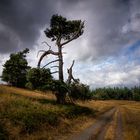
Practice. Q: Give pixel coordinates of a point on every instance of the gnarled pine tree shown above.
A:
(62, 31)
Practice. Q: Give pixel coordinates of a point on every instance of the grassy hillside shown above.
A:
(131, 120)
(35, 115)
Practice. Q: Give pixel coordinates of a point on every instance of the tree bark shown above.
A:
(60, 99)
(61, 78)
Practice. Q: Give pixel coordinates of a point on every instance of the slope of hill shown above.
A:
(35, 115)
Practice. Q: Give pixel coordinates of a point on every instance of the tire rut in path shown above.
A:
(98, 129)
(119, 129)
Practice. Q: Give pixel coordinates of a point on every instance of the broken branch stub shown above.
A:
(70, 75)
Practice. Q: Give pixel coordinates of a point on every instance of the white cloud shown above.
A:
(110, 27)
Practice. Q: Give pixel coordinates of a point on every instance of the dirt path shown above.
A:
(98, 129)
(119, 129)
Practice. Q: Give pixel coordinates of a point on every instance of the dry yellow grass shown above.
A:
(131, 121)
(24, 92)
(100, 106)
(130, 111)
(17, 99)
(14, 105)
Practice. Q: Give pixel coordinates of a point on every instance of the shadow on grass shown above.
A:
(67, 110)
(47, 101)
(3, 133)
(30, 117)
(70, 110)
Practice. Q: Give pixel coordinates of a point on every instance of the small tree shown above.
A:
(62, 31)
(79, 91)
(15, 69)
(38, 78)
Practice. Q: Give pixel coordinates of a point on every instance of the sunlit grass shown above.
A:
(28, 93)
(131, 120)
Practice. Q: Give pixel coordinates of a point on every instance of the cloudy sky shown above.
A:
(107, 54)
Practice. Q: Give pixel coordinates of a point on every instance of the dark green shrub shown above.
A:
(80, 91)
(15, 69)
(38, 78)
(60, 89)
(29, 85)
(72, 111)
(57, 85)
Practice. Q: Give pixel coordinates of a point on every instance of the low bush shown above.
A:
(80, 91)
(37, 78)
(72, 111)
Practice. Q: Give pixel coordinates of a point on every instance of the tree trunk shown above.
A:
(61, 78)
(60, 97)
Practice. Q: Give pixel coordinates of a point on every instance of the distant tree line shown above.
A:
(116, 93)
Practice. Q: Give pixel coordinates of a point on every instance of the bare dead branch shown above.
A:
(72, 64)
(54, 72)
(40, 52)
(51, 62)
(54, 67)
(44, 42)
(45, 54)
(70, 75)
(75, 80)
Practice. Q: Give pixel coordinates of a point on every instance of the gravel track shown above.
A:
(98, 129)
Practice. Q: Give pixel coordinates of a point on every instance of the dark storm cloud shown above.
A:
(111, 26)
(106, 30)
(107, 37)
(21, 21)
